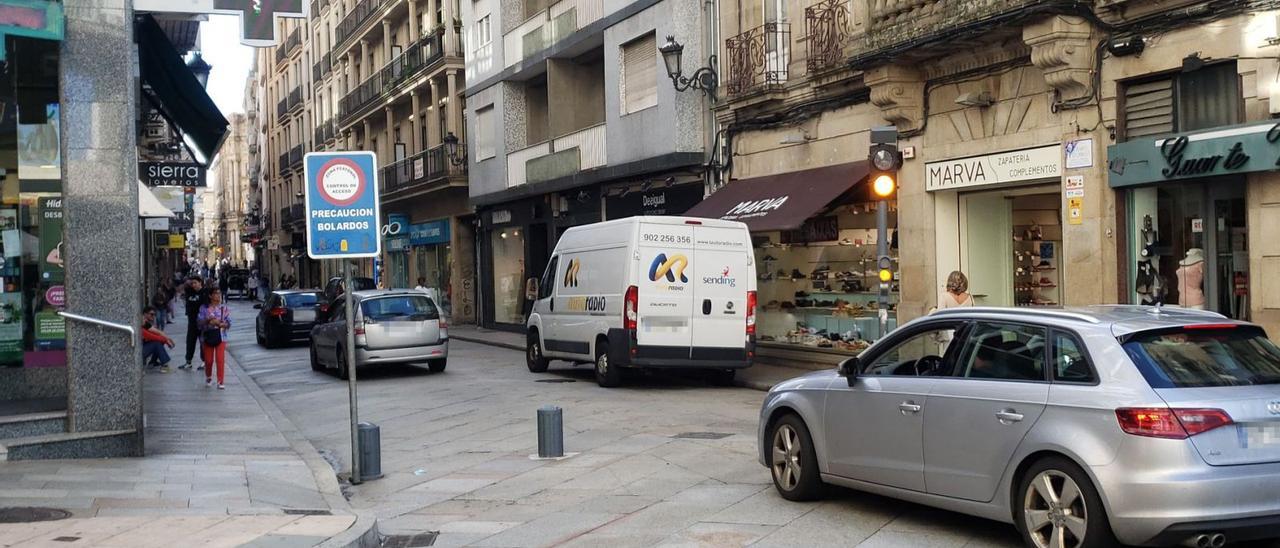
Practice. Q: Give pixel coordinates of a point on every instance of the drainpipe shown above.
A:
(711, 127)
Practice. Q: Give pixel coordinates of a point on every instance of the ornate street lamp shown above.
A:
(451, 150)
(200, 69)
(705, 78)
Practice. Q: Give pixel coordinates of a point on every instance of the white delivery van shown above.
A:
(647, 292)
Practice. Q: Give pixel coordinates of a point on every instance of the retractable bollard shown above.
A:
(370, 451)
(550, 432)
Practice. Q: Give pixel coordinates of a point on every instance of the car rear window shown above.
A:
(1192, 358)
(363, 284)
(400, 307)
(300, 300)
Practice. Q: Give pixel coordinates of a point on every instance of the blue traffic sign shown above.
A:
(342, 205)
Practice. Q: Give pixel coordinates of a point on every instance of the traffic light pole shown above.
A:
(882, 250)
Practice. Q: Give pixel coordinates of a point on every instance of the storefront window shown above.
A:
(1012, 246)
(1190, 246)
(819, 286)
(508, 275)
(432, 264)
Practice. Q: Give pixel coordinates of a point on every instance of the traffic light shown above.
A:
(885, 159)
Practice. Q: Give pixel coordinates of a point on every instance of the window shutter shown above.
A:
(484, 133)
(640, 74)
(1148, 109)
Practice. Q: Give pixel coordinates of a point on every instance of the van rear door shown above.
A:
(665, 288)
(723, 273)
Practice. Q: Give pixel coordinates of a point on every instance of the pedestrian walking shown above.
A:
(214, 320)
(957, 291)
(252, 285)
(160, 307)
(154, 342)
(193, 297)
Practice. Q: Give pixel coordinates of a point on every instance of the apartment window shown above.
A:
(639, 74)
(485, 146)
(1185, 101)
(484, 34)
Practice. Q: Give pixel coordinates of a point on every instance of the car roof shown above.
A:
(1119, 320)
(371, 293)
(293, 291)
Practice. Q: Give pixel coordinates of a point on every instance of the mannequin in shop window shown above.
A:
(1149, 284)
(1191, 279)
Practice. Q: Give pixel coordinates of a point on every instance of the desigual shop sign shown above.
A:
(995, 169)
(1220, 151)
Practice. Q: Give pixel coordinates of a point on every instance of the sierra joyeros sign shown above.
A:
(171, 174)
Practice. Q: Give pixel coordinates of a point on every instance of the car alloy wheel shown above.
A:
(786, 457)
(1054, 511)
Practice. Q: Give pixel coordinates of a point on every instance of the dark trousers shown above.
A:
(193, 337)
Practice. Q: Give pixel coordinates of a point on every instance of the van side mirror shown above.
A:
(849, 369)
(531, 289)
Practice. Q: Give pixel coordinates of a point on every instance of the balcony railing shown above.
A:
(286, 216)
(284, 164)
(826, 32)
(330, 130)
(281, 108)
(295, 98)
(294, 41)
(421, 54)
(356, 18)
(586, 149)
(758, 58)
(317, 135)
(281, 53)
(297, 213)
(295, 156)
(424, 167)
(547, 27)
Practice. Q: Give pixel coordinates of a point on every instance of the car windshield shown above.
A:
(300, 300)
(400, 307)
(1191, 358)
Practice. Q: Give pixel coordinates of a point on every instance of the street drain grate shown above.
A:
(701, 436)
(556, 380)
(306, 512)
(410, 541)
(24, 514)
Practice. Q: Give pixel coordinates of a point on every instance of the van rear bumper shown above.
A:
(625, 352)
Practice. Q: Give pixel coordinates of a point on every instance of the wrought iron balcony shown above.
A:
(758, 58)
(297, 214)
(294, 41)
(417, 57)
(826, 32)
(295, 156)
(295, 98)
(425, 167)
(356, 18)
(285, 216)
(330, 130)
(284, 164)
(281, 108)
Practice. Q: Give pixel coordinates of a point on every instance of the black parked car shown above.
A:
(286, 316)
(333, 291)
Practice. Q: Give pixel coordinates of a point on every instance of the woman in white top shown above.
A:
(957, 292)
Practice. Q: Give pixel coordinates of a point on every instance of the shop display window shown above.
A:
(1011, 249)
(1190, 246)
(508, 275)
(819, 286)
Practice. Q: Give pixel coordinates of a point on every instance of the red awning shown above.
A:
(783, 201)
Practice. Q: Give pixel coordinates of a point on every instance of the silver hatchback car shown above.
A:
(391, 326)
(1081, 427)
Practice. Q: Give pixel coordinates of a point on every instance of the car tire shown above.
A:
(261, 341)
(315, 360)
(607, 374)
(1039, 520)
(437, 366)
(533, 353)
(796, 478)
(723, 377)
(343, 372)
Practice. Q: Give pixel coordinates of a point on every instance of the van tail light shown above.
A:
(1175, 424)
(444, 324)
(631, 309)
(751, 312)
(277, 312)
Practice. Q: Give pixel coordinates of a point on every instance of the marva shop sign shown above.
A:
(1221, 151)
(995, 169)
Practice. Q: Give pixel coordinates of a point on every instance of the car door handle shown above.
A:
(1008, 416)
(909, 407)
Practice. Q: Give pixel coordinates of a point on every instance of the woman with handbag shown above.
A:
(214, 321)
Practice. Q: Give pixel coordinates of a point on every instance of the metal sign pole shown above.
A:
(351, 372)
(882, 250)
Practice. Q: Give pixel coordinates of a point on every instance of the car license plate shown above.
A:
(304, 315)
(1259, 435)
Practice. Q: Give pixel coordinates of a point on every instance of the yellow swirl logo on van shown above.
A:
(671, 268)
(571, 273)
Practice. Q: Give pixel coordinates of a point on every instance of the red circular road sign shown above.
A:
(341, 182)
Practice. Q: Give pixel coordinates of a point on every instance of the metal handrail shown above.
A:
(104, 323)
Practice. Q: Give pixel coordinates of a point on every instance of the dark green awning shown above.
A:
(177, 94)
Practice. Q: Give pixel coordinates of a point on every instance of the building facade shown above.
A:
(229, 178)
(572, 120)
(383, 76)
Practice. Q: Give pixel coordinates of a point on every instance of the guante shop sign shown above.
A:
(1228, 150)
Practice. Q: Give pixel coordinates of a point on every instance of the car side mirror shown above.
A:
(849, 369)
(257, 307)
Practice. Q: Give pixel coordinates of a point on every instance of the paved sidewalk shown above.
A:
(223, 468)
(760, 376)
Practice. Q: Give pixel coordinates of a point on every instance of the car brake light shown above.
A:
(1210, 326)
(324, 308)
(1162, 422)
(631, 308)
(751, 312)
(443, 323)
(277, 312)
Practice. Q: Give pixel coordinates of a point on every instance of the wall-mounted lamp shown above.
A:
(705, 78)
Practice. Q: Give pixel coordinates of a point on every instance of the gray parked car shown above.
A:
(391, 326)
(1080, 427)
